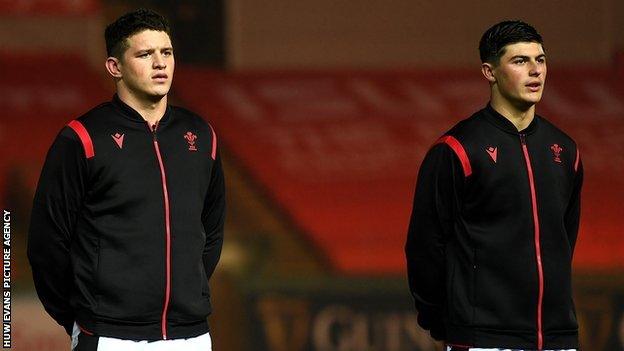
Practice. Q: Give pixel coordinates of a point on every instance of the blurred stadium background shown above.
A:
(324, 110)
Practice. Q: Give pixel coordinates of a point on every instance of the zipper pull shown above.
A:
(523, 138)
(152, 128)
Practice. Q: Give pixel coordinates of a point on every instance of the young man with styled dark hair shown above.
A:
(127, 220)
(496, 214)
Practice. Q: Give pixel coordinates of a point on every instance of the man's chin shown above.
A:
(525, 104)
(534, 98)
(156, 96)
(529, 101)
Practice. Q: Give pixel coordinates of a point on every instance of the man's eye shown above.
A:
(167, 53)
(144, 55)
(521, 61)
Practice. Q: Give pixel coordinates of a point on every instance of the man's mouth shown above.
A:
(534, 86)
(160, 77)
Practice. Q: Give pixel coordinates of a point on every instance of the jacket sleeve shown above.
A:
(573, 211)
(58, 200)
(213, 217)
(440, 178)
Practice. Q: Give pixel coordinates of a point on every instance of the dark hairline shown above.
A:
(501, 51)
(497, 37)
(124, 46)
(117, 33)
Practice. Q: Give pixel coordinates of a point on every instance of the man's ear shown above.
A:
(488, 72)
(113, 67)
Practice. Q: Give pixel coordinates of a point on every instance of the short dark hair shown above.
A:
(129, 24)
(494, 40)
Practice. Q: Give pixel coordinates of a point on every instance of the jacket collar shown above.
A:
(132, 114)
(498, 120)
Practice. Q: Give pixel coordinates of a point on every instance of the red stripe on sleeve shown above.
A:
(457, 147)
(87, 144)
(214, 143)
(578, 158)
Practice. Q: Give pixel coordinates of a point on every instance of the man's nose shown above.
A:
(536, 69)
(159, 61)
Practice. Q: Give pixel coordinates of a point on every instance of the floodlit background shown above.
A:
(324, 110)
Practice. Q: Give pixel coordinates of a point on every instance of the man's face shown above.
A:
(147, 65)
(521, 73)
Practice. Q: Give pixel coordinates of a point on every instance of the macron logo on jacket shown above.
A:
(492, 151)
(118, 138)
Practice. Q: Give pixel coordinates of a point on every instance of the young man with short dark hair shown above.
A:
(127, 220)
(496, 214)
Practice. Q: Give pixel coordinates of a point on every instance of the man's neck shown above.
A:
(151, 111)
(520, 117)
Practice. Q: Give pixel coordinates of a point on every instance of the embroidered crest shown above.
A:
(556, 149)
(190, 139)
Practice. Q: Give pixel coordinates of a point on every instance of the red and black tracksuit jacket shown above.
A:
(127, 224)
(492, 232)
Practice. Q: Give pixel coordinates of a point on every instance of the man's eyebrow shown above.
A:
(143, 50)
(526, 57)
(149, 50)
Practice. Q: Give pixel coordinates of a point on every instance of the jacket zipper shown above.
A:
(167, 232)
(538, 250)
